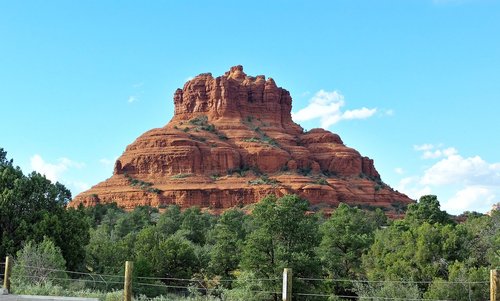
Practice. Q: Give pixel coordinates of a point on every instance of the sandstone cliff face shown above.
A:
(231, 142)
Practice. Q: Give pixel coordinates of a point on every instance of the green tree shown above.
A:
(414, 252)
(227, 239)
(170, 220)
(463, 284)
(32, 207)
(195, 225)
(178, 257)
(106, 252)
(136, 220)
(39, 263)
(346, 236)
(428, 210)
(283, 236)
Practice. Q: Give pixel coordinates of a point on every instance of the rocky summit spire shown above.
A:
(231, 142)
(234, 96)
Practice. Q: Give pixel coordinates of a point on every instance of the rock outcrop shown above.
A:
(231, 142)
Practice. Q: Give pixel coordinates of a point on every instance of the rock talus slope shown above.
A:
(230, 143)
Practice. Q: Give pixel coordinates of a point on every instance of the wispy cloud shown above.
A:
(132, 98)
(57, 172)
(423, 147)
(53, 171)
(327, 107)
(473, 182)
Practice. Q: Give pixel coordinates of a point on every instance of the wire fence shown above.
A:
(306, 288)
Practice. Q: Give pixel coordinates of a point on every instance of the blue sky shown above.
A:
(413, 84)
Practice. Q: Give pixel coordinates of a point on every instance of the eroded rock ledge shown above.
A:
(231, 142)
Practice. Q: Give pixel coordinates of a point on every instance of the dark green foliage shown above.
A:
(241, 172)
(305, 171)
(181, 176)
(32, 207)
(426, 248)
(39, 262)
(347, 235)
(222, 136)
(194, 224)
(321, 181)
(227, 238)
(251, 139)
(143, 185)
(264, 180)
(200, 120)
(427, 210)
(282, 235)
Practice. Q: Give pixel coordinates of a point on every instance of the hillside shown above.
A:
(231, 142)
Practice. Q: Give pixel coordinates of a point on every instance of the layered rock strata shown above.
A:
(231, 142)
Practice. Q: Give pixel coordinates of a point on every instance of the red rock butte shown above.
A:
(231, 142)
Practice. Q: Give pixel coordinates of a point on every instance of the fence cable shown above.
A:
(215, 280)
(68, 279)
(70, 272)
(358, 297)
(392, 281)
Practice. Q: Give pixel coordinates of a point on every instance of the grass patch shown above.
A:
(321, 181)
(200, 120)
(264, 180)
(240, 172)
(181, 176)
(252, 139)
(143, 185)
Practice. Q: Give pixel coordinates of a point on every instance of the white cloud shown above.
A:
(423, 147)
(429, 154)
(399, 170)
(138, 85)
(132, 99)
(473, 183)
(326, 106)
(410, 186)
(480, 198)
(455, 169)
(50, 170)
(56, 172)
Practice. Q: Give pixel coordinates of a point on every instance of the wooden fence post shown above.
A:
(6, 276)
(287, 285)
(494, 285)
(127, 290)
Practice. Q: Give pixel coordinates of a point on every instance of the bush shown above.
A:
(321, 181)
(200, 120)
(38, 263)
(264, 180)
(181, 176)
(387, 290)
